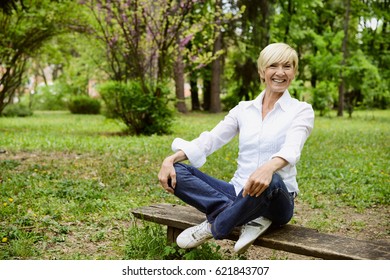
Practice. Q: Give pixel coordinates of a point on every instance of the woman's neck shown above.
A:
(269, 100)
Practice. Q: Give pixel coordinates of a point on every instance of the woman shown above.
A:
(272, 130)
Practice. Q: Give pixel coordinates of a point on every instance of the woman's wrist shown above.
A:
(176, 157)
(276, 164)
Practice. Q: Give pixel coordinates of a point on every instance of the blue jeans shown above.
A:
(223, 208)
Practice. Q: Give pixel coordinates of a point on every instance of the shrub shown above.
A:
(229, 101)
(51, 97)
(142, 111)
(17, 110)
(84, 105)
(323, 97)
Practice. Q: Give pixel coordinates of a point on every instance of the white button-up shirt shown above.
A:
(282, 133)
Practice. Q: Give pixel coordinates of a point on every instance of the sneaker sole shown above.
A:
(243, 249)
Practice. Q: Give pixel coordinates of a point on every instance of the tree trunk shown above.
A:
(206, 92)
(340, 111)
(178, 73)
(287, 28)
(194, 92)
(265, 23)
(216, 72)
(179, 85)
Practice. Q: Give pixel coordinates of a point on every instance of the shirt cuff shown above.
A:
(194, 154)
(291, 158)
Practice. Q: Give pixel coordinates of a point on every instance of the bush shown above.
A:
(323, 97)
(229, 101)
(17, 110)
(51, 97)
(140, 108)
(84, 105)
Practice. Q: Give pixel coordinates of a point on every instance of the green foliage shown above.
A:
(51, 97)
(17, 110)
(22, 33)
(323, 97)
(84, 105)
(64, 60)
(139, 106)
(365, 80)
(230, 100)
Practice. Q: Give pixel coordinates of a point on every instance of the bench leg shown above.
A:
(172, 234)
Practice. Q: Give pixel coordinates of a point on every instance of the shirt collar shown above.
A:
(283, 101)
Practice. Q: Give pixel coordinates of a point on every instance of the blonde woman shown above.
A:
(272, 130)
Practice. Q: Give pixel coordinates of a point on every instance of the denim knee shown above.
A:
(180, 168)
(276, 186)
(277, 180)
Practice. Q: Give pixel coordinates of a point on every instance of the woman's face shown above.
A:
(278, 76)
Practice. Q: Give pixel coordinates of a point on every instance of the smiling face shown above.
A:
(278, 77)
(277, 65)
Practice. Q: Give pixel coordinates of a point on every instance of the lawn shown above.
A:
(68, 183)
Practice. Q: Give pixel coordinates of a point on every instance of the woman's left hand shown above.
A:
(259, 180)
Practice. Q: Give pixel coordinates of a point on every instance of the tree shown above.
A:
(375, 44)
(216, 65)
(244, 38)
(249, 34)
(343, 61)
(140, 38)
(337, 44)
(179, 79)
(144, 43)
(8, 5)
(23, 31)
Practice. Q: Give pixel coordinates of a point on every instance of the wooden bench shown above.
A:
(289, 238)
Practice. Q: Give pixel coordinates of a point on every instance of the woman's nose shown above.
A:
(279, 70)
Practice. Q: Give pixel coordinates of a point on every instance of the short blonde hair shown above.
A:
(276, 53)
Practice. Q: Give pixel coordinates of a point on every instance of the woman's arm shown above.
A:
(288, 154)
(208, 142)
(197, 150)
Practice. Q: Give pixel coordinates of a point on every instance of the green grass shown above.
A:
(346, 160)
(68, 182)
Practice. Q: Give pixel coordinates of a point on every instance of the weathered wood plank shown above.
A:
(288, 238)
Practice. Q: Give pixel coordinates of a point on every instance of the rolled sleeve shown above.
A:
(195, 155)
(208, 142)
(296, 136)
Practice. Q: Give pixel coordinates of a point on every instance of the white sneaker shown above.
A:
(194, 236)
(249, 233)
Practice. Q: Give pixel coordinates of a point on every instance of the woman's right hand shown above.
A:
(167, 175)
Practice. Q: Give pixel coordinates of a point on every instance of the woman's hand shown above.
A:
(167, 174)
(259, 180)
